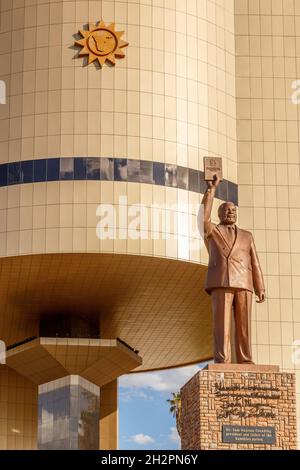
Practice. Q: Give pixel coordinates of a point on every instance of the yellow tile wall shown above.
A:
(18, 411)
(267, 64)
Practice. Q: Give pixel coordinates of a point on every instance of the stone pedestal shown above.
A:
(236, 406)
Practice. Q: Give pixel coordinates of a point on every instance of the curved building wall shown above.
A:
(197, 75)
(170, 101)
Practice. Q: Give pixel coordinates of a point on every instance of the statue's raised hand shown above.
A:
(214, 183)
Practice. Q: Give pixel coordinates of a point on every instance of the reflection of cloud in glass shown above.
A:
(120, 169)
(106, 169)
(146, 174)
(93, 168)
(68, 415)
(171, 175)
(66, 168)
(133, 170)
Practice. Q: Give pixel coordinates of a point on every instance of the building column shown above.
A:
(18, 411)
(68, 414)
(109, 416)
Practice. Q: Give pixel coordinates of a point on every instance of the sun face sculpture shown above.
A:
(101, 42)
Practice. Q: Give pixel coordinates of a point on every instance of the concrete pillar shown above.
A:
(109, 416)
(18, 411)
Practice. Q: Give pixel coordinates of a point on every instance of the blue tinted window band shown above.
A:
(111, 169)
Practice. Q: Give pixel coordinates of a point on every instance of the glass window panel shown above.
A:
(182, 177)
(39, 170)
(194, 180)
(120, 169)
(66, 169)
(159, 173)
(203, 184)
(133, 170)
(27, 172)
(233, 192)
(53, 169)
(14, 172)
(146, 172)
(107, 169)
(171, 176)
(69, 418)
(79, 168)
(74, 443)
(93, 168)
(3, 174)
(221, 191)
(74, 423)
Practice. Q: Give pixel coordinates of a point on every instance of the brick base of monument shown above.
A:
(239, 407)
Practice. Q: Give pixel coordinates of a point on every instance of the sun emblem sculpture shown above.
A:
(101, 43)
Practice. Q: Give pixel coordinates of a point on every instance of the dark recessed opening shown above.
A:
(66, 326)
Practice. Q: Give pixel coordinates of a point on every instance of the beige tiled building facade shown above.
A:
(199, 78)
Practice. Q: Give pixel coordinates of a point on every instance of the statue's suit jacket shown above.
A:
(237, 266)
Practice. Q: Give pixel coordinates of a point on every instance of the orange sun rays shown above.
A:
(101, 43)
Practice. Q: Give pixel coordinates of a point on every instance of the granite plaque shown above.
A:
(248, 434)
(212, 167)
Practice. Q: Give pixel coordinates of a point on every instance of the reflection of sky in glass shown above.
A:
(120, 169)
(79, 168)
(3, 174)
(26, 175)
(159, 173)
(39, 170)
(221, 191)
(203, 184)
(93, 169)
(53, 169)
(232, 192)
(14, 173)
(194, 180)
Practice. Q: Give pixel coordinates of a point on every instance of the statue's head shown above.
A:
(227, 213)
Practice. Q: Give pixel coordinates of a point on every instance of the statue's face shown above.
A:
(227, 213)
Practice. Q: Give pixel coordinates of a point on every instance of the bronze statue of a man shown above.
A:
(233, 273)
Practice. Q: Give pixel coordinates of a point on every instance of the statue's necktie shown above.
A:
(231, 235)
